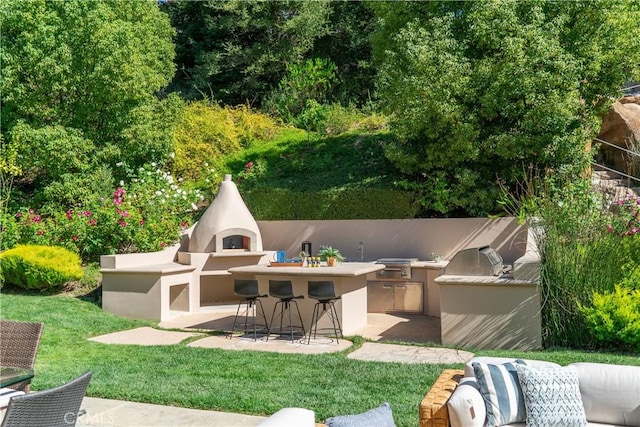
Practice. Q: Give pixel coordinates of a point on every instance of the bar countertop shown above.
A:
(347, 269)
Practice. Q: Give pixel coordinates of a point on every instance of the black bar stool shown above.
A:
(248, 290)
(325, 293)
(283, 290)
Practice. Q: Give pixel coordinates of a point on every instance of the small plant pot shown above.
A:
(331, 261)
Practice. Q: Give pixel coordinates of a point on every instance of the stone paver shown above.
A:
(276, 344)
(144, 336)
(409, 354)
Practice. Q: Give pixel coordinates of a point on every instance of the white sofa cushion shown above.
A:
(552, 396)
(610, 393)
(290, 417)
(466, 405)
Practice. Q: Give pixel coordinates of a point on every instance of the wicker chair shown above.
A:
(19, 343)
(56, 407)
(433, 408)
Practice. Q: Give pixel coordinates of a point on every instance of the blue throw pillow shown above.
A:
(501, 392)
(376, 417)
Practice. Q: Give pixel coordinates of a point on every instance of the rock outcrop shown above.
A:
(621, 127)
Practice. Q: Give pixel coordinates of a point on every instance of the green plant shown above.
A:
(303, 91)
(249, 382)
(614, 316)
(147, 213)
(40, 267)
(329, 252)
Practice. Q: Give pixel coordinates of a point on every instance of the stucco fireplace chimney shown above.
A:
(227, 225)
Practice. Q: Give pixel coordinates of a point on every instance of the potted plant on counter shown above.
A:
(330, 254)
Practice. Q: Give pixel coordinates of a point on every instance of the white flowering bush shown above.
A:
(147, 211)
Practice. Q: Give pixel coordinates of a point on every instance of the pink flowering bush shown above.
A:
(626, 218)
(148, 214)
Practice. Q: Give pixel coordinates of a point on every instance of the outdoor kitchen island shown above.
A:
(350, 281)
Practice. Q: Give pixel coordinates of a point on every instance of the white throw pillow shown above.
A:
(552, 396)
(466, 405)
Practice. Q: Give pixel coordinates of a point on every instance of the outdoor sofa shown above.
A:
(591, 394)
(380, 416)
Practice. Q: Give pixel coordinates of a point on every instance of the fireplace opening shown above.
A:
(236, 242)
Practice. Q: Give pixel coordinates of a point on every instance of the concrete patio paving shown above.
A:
(204, 329)
(118, 413)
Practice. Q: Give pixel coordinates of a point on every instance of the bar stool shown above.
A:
(283, 290)
(248, 290)
(325, 293)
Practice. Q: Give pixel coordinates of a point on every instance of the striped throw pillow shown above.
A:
(501, 392)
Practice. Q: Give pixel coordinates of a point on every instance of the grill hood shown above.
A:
(480, 261)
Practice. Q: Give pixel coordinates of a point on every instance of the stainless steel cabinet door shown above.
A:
(379, 297)
(407, 297)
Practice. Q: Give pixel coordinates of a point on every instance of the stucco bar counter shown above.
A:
(490, 312)
(350, 281)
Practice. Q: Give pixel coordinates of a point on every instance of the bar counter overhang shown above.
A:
(350, 281)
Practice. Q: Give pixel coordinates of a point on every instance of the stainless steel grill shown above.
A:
(480, 261)
(395, 269)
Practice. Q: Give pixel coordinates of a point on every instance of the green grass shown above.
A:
(247, 382)
(303, 162)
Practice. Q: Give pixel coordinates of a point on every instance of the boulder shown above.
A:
(621, 127)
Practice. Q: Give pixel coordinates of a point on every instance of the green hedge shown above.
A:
(350, 203)
(39, 267)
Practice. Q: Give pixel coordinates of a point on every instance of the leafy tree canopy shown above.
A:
(482, 90)
(90, 66)
(236, 51)
(79, 83)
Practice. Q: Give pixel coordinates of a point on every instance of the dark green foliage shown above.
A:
(237, 51)
(349, 203)
(305, 87)
(79, 87)
(39, 267)
(478, 91)
(347, 44)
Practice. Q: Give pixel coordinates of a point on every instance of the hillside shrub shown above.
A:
(208, 131)
(585, 250)
(348, 203)
(339, 119)
(145, 214)
(614, 317)
(303, 92)
(40, 267)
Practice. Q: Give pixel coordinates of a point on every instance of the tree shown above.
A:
(236, 51)
(482, 90)
(79, 86)
(347, 44)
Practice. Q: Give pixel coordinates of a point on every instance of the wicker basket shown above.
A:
(433, 408)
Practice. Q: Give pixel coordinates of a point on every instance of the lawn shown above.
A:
(247, 382)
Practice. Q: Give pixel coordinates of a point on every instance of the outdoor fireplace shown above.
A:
(227, 225)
